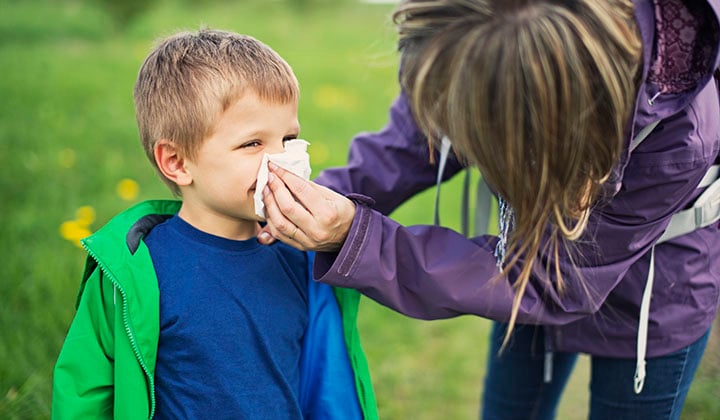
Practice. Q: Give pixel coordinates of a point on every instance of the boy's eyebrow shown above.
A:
(294, 130)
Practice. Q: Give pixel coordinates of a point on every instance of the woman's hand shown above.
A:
(305, 215)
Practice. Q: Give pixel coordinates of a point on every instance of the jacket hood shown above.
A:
(123, 228)
(648, 112)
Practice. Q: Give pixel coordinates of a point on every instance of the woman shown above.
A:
(594, 122)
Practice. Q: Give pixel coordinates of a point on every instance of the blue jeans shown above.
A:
(514, 387)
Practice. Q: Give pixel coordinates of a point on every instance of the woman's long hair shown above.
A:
(537, 95)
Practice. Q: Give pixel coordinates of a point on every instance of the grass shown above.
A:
(68, 137)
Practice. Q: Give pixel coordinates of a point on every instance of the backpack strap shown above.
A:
(444, 153)
(484, 196)
(642, 135)
(704, 212)
(706, 209)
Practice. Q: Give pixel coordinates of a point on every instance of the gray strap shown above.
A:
(703, 213)
(642, 135)
(483, 207)
(465, 204)
(706, 209)
(710, 176)
(484, 196)
(444, 153)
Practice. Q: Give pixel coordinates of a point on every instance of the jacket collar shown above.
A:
(648, 111)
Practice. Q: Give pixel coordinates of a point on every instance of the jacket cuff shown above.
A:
(331, 264)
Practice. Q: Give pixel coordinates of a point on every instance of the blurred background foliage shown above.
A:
(70, 159)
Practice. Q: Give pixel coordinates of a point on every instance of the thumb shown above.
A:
(264, 236)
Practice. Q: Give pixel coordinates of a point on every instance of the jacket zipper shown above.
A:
(126, 325)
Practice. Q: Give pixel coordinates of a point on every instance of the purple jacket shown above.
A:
(432, 272)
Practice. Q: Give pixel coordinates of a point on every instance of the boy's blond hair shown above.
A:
(190, 78)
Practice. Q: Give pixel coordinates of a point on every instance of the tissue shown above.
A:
(294, 159)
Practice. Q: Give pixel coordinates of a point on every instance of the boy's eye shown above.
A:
(288, 138)
(253, 143)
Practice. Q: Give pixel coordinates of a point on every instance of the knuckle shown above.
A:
(274, 233)
(288, 209)
(332, 218)
(323, 216)
(282, 227)
(273, 229)
(322, 237)
(302, 188)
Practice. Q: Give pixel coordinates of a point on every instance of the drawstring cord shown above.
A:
(548, 359)
(643, 326)
(651, 101)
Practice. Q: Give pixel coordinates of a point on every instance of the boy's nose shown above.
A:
(276, 147)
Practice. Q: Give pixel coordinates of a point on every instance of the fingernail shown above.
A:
(264, 236)
(272, 166)
(271, 177)
(266, 190)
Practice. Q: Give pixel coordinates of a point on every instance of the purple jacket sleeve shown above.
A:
(432, 272)
(390, 166)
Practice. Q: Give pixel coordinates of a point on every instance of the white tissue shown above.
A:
(294, 159)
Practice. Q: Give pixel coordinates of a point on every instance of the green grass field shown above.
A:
(70, 159)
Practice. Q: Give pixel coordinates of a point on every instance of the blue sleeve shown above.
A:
(327, 384)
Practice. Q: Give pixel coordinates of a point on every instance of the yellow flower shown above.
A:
(85, 216)
(332, 97)
(73, 231)
(128, 189)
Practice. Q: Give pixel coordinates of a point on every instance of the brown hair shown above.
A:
(536, 94)
(189, 79)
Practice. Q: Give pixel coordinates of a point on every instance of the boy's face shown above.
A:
(219, 200)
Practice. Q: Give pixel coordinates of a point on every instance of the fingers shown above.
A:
(306, 215)
(281, 226)
(303, 191)
(286, 201)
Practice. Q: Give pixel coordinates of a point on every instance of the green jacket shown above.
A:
(107, 363)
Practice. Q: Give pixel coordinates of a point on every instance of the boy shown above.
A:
(181, 313)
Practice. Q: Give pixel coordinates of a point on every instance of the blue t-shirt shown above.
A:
(232, 319)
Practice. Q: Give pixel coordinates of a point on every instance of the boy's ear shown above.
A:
(171, 162)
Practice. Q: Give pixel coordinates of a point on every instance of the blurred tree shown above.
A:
(303, 4)
(124, 11)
